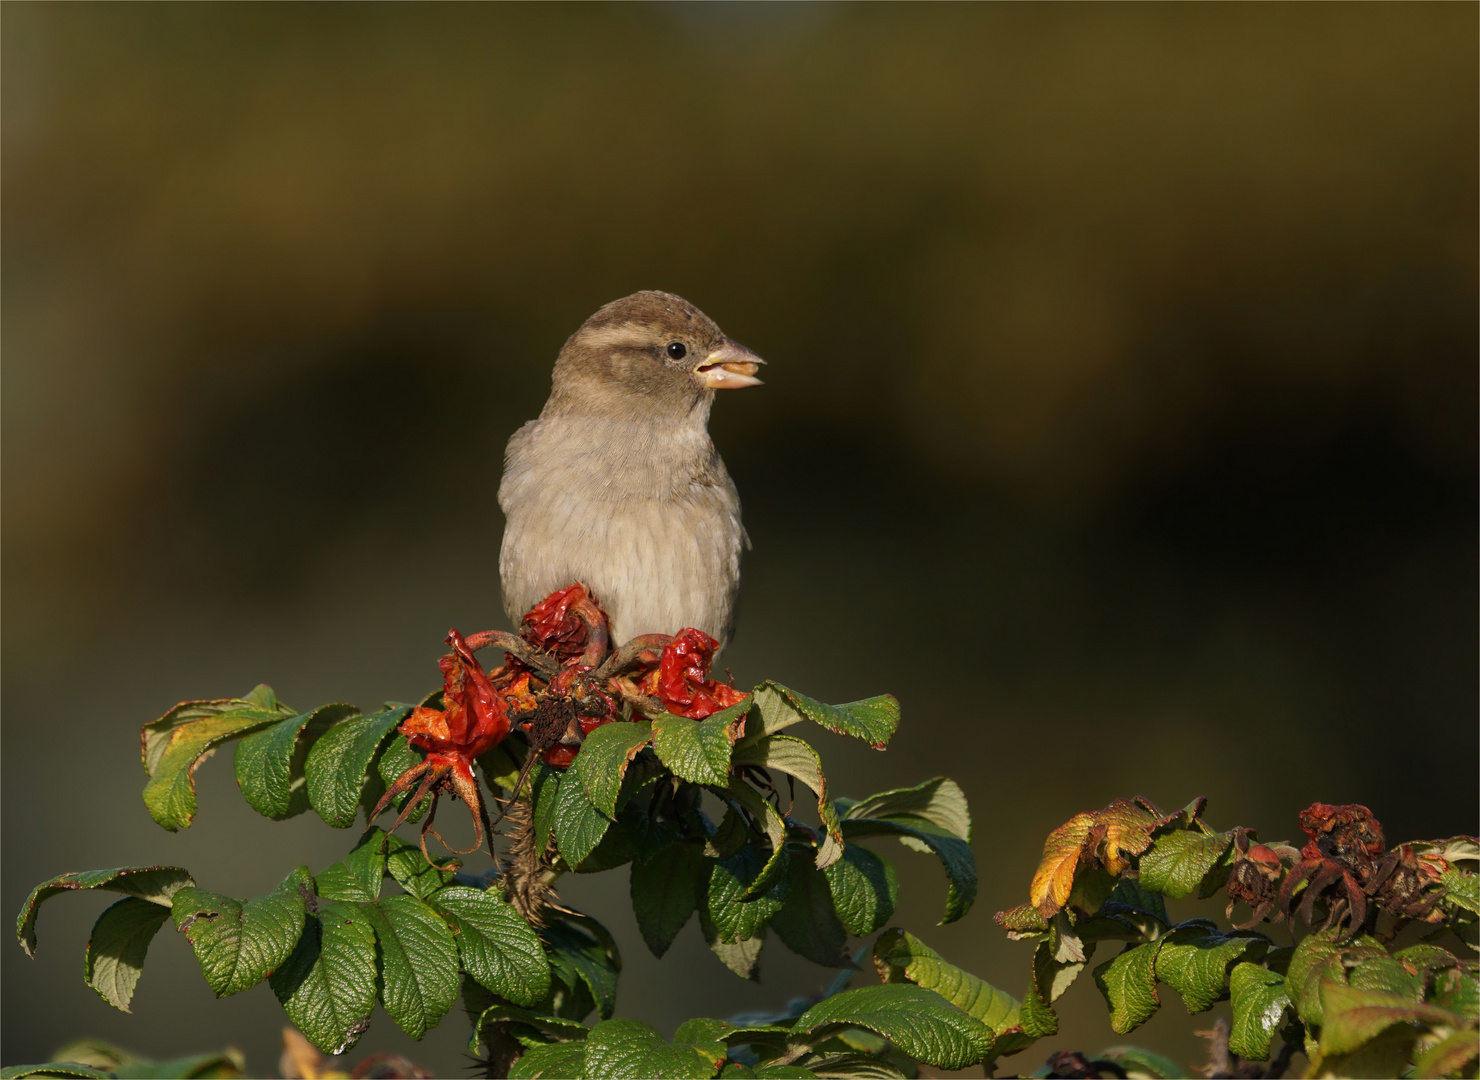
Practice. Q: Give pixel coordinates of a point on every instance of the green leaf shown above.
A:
(575, 955)
(806, 923)
(699, 750)
(269, 763)
(557, 1061)
(761, 812)
(1177, 862)
(1194, 960)
(920, 1022)
(1129, 985)
(1259, 1008)
(1316, 957)
(545, 793)
(156, 736)
(338, 764)
(53, 1068)
(496, 945)
(358, 875)
(1450, 1056)
(735, 913)
(157, 884)
(327, 987)
(665, 892)
(797, 758)
(1388, 975)
(741, 957)
(1353, 1017)
(176, 744)
(631, 1050)
(1461, 889)
(500, 1012)
(901, 957)
(579, 826)
(119, 943)
(921, 835)
(602, 763)
(873, 720)
(409, 866)
(240, 943)
(864, 890)
(939, 801)
(418, 962)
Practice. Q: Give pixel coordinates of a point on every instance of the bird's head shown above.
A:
(651, 353)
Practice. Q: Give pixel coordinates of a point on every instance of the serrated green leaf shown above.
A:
(545, 795)
(762, 812)
(54, 1069)
(358, 875)
(901, 957)
(741, 957)
(1129, 985)
(918, 834)
(920, 1022)
(796, 758)
(157, 884)
(1316, 957)
(240, 943)
(553, 1028)
(418, 962)
(1461, 889)
(327, 987)
(155, 737)
(556, 1061)
(339, 763)
(778, 1072)
(119, 943)
(806, 923)
(864, 889)
(874, 720)
(1177, 862)
(1194, 962)
(602, 763)
(1388, 975)
(579, 826)
(269, 764)
(1450, 1056)
(406, 863)
(174, 747)
(1353, 1017)
(939, 801)
(498, 948)
(631, 1050)
(665, 891)
(736, 914)
(699, 750)
(1457, 990)
(1259, 1007)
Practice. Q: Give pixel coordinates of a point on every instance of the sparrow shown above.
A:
(617, 484)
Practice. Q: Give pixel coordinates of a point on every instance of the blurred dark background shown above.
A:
(1120, 415)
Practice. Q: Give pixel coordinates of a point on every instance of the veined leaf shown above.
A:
(1194, 961)
(797, 758)
(338, 763)
(418, 962)
(176, 744)
(269, 764)
(874, 720)
(575, 955)
(119, 943)
(1179, 861)
(602, 763)
(631, 1050)
(920, 1022)
(1353, 1017)
(405, 862)
(735, 913)
(741, 957)
(763, 813)
(327, 987)
(555, 1061)
(579, 825)
(864, 889)
(157, 884)
(496, 945)
(1129, 985)
(665, 891)
(939, 801)
(359, 874)
(901, 957)
(806, 923)
(397, 757)
(240, 943)
(1260, 1005)
(699, 750)
(921, 835)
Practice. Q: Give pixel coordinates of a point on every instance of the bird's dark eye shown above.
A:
(676, 350)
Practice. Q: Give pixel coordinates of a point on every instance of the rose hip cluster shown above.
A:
(560, 681)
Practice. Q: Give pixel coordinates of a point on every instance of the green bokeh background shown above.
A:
(1120, 415)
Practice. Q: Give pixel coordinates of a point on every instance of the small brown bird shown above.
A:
(617, 484)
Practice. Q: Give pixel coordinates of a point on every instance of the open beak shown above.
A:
(730, 367)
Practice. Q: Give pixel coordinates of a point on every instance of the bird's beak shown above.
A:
(729, 367)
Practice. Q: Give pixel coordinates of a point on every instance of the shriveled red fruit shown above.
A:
(684, 686)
